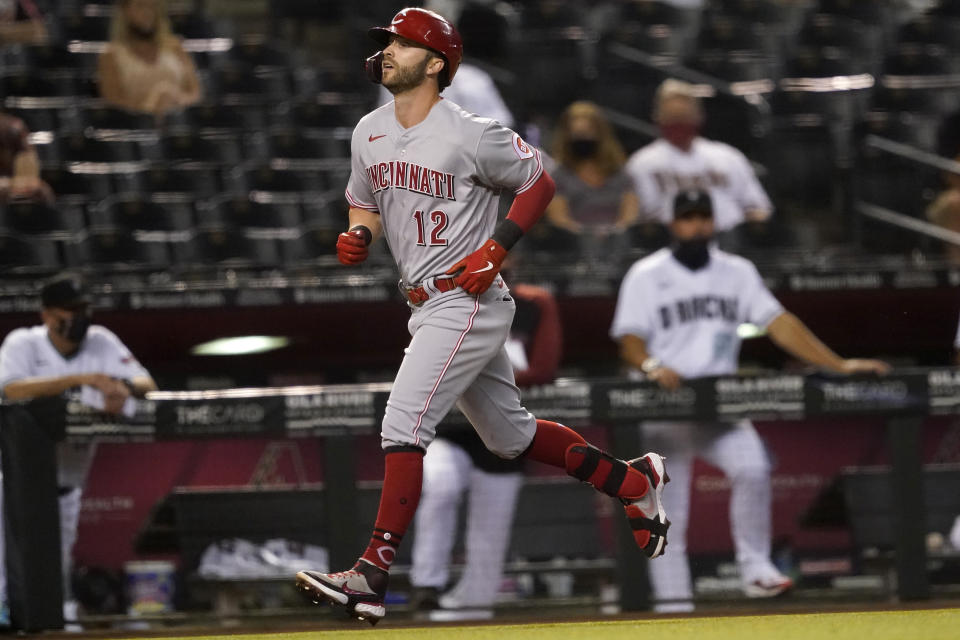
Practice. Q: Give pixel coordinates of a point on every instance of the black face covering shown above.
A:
(140, 33)
(75, 329)
(694, 254)
(583, 147)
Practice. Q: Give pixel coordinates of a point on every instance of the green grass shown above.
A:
(931, 624)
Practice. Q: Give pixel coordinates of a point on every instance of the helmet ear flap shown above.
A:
(374, 67)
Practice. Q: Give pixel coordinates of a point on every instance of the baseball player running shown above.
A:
(427, 175)
(676, 317)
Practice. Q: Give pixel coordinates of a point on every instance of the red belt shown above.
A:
(419, 295)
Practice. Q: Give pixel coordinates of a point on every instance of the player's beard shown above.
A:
(407, 78)
(693, 253)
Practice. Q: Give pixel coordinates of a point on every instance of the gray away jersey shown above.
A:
(436, 185)
(689, 319)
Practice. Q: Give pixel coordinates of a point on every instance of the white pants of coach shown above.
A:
(736, 449)
(449, 473)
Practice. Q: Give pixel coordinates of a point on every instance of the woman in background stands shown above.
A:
(145, 67)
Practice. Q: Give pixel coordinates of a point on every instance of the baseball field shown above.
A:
(928, 624)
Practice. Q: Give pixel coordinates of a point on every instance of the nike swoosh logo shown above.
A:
(373, 137)
(486, 268)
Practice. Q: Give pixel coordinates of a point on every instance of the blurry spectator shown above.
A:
(145, 67)
(19, 164)
(21, 22)
(593, 190)
(64, 353)
(457, 463)
(682, 160)
(945, 212)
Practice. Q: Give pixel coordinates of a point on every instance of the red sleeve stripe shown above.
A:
(360, 205)
(536, 174)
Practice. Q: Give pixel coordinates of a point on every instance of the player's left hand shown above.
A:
(861, 365)
(475, 273)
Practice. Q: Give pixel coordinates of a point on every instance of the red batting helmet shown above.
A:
(423, 27)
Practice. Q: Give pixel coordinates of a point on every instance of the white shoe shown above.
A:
(768, 586)
(955, 534)
(359, 590)
(70, 610)
(647, 517)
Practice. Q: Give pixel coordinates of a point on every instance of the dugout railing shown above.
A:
(339, 414)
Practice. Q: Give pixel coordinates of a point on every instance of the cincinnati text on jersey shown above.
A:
(412, 177)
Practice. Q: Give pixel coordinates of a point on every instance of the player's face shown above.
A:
(69, 324)
(405, 65)
(693, 226)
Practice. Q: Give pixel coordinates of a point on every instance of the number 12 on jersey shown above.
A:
(437, 222)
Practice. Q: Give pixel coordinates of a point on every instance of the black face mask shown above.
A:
(139, 33)
(583, 147)
(75, 329)
(694, 254)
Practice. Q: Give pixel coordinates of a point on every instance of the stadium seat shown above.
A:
(76, 188)
(317, 241)
(193, 26)
(648, 236)
(257, 53)
(134, 212)
(42, 119)
(50, 57)
(931, 30)
(725, 33)
(318, 115)
(293, 144)
(35, 85)
(733, 66)
(863, 43)
(267, 180)
(78, 27)
(107, 118)
(865, 11)
(36, 218)
(161, 180)
(77, 147)
(659, 39)
(116, 249)
(769, 12)
(214, 118)
(232, 247)
(547, 242)
(241, 84)
(242, 212)
(186, 146)
(19, 255)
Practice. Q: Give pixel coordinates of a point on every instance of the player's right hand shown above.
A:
(352, 247)
(666, 377)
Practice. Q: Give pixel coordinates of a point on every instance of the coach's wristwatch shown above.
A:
(650, 364)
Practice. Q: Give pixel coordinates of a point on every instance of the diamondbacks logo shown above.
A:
(521, 148)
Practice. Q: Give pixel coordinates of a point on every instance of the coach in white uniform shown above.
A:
(682, 160)
(68, 353)
(677, 316)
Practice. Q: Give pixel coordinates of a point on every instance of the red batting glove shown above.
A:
(477, 270)
(352, 247)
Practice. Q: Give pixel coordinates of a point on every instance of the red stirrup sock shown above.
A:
(610, 475)
(550, 443)
(402, 481)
